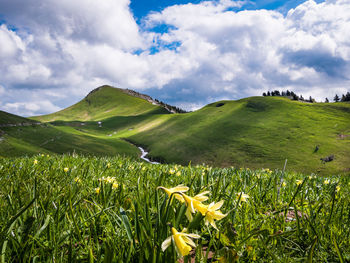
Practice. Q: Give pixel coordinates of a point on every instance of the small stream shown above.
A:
(144, 154)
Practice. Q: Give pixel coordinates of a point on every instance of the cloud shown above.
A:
(57, 51)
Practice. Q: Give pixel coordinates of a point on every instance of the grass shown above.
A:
(110, 209)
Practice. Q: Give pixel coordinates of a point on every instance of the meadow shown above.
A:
(73, 208)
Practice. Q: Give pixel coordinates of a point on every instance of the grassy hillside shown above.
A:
(8, 119)
(48, 139)
(102, 103)
(254, 132)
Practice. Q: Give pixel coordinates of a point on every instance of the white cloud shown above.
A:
(61, 50)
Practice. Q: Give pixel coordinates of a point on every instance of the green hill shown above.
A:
(102, 103)
(254, 132)
(8, 119)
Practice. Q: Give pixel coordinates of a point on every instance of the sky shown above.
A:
(185, 53)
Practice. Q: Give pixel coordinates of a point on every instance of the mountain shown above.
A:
(253, 132)
(105, 102)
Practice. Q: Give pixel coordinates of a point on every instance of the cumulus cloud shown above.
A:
(55, 52)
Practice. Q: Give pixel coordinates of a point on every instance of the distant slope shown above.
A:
(48, 139)
(254, 132)
(8, 119)
(104, 102)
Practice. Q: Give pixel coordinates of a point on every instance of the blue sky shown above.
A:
(186, 53)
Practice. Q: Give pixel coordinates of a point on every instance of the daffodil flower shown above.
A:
(195, 203)
(97, 190)
(299, 182)
(183, 242)
(213, 213)
(175, 190)
(35, 161)
(66, 169)
(242, 197)
(115, 186)
(326, 182)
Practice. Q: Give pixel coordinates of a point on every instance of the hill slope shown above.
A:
(8, 119)
(254, 132)
(102, 103)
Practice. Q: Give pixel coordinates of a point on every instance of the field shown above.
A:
(71, 208)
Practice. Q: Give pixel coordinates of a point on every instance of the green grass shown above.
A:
(48, 214)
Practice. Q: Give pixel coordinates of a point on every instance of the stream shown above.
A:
(144, 154)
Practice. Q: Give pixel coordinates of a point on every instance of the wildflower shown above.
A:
(242, 197)
(97, 190)
(337, 189)
(110, 180)
(299, 182)
(47, 156)
(326, 182)
(66, 169)
(77, 180)
(195, 203)
(108, 165)
(42, 155)
(178, 173)
(182, 240)
(175, 190)
(213, 213)
(35, 161)
(284, 184)
(171, 171)
(115, 185)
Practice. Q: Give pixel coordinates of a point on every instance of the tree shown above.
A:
(268, 93)
(288, 93)
(347, 96)
(343, 98)
(311, 99)
(336, 98)
(295, 96)
(301, 97)
(326, 101)
(264, 94)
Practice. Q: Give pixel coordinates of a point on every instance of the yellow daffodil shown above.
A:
(175, 190)
(171, 171)
(337, 189)
(213, 213)
(115, 185)
(242, 197)
(35, 161)
(97, 190)
(77, 180)
(326, 182)
(183, 242)
(299, 182)
(284, 184)
(108, 165)
(66, 169)
(195, 203)
(178, 173)
(42, 155)
(110, 180)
